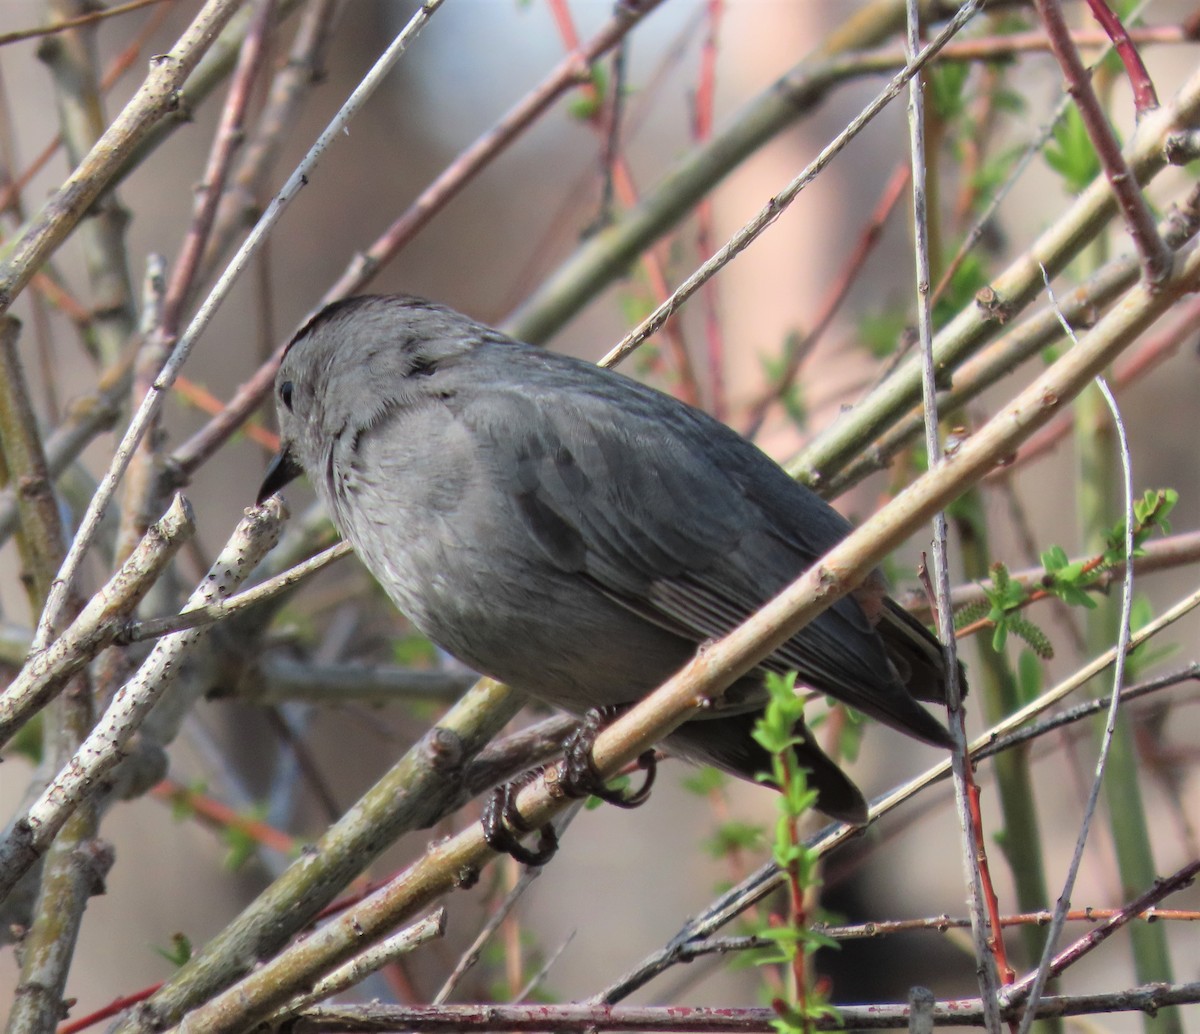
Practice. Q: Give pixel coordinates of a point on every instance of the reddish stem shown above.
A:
(868, 239)
(996, 942)
(1162, 888)
(121, 64)
(226, 141)
(570, 72)
(706, 89)
(114, 1008)
(620, 179)
(221, 816)
(1155, 256)
(1144, 97)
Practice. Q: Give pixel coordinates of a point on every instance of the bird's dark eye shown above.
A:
(285, 393)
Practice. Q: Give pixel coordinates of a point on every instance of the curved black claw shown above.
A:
(579, 777)
(503, 826)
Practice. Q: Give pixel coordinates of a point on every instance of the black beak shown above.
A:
(283, 469)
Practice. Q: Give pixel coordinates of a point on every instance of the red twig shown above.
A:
(706, 88)
(453, 178)
(1144, 97)
(619, 180)
(118, 68)
(226, 141)
(1178, 880)
(1147, 357)
(1155, 257)
(990, 900)
(114, 1008)
(221, 816)
(564, 23)
(892, 193)
(74, 23)
(208, 403)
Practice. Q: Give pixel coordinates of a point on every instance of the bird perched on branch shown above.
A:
(576, 534)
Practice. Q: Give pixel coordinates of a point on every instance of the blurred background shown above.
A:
(624, 881)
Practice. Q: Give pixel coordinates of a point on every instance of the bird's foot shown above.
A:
(504, 825)
(578, 776)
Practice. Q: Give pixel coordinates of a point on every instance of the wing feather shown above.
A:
(679, 520)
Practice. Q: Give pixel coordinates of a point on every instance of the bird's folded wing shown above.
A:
(679, 520)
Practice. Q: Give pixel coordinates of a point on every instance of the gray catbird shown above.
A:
(577, 534)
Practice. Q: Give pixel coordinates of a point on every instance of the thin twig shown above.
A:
(766, 879)
(1046, 969)
(370, 961)
(220, 816)
(102, 236)
(1144, 97)
(1156, 258)
(889, 198)
(1163, 554)
(302, 70)
(447, 864)
(877, 928)
(384, 1019)
(988, 946)
(780, 202)
(219, 610)
(75, 23)
(1025, 992)
(227, 139)
(148, 410)
(618, 184)
(1190, 673)
(192, 453)
(98, 623)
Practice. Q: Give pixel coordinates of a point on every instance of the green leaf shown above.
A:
(704, 780)
(946, 89)
(735, 836)
(1054, 558)
(182, 808)
(1030, 677)
(881, 332)
(180, 951)
(585, 105)
(1070, 152)
(1000, 637)
(241, 845)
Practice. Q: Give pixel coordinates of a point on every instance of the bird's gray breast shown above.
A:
(433, 508)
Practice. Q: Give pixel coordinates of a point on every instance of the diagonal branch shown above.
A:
(1156, 259)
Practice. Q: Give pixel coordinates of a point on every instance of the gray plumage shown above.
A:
(575, 533)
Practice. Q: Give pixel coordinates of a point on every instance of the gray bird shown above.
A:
(577, 534)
